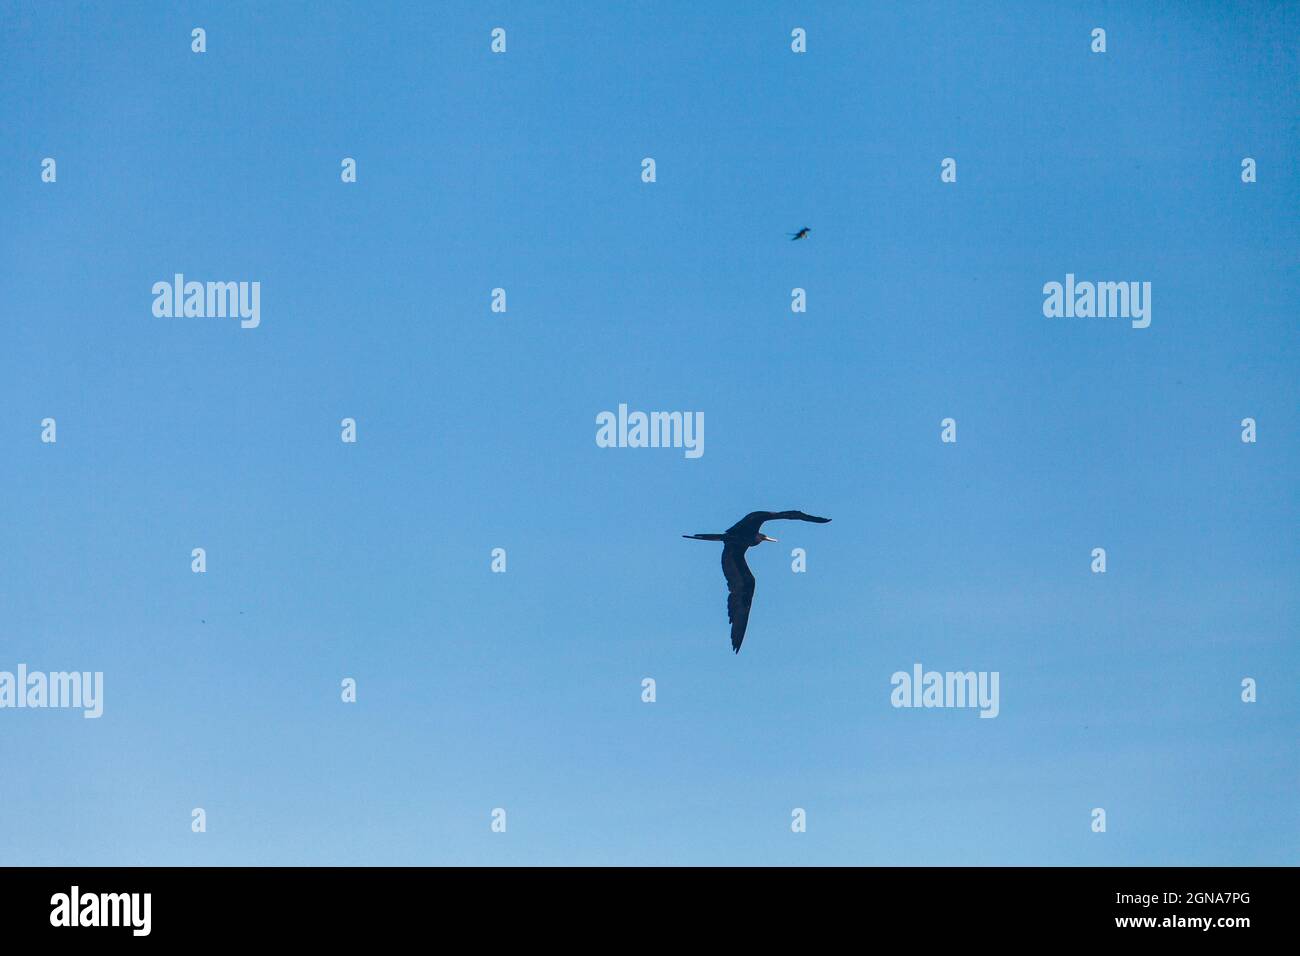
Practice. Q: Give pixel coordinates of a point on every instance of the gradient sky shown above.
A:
(476, 430)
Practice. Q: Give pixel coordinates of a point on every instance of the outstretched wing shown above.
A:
(740, 591)
(795, 515)
(748, 526)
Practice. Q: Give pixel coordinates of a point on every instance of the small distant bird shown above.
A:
(801, 234)
(738, 539)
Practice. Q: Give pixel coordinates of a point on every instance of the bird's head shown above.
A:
(760, 538)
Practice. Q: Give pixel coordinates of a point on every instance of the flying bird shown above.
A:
(736, 540)
(801, 234)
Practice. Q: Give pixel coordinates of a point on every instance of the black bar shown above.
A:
(330, 905)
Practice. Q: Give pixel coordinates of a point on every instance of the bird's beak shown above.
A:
(766, 538)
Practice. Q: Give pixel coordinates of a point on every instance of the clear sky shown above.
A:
(476, 430)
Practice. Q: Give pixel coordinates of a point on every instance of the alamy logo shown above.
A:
(923, 688)
(1104, 300)
(56, 689)
(102, 909)
(655, 430)
(209, 300)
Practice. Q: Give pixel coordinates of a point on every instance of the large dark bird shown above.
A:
(738, 539)
(801, 234)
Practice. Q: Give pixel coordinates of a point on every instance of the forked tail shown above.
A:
(706, 537)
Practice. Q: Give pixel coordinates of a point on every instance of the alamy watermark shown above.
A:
(1103, 300)
(209, 300)
(922, 688)
(75, 908)
(652, 430)
(82, 689)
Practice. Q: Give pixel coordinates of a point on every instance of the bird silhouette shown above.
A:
(736, 540)
(801, 234)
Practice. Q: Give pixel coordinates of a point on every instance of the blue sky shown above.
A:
(476, 431)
